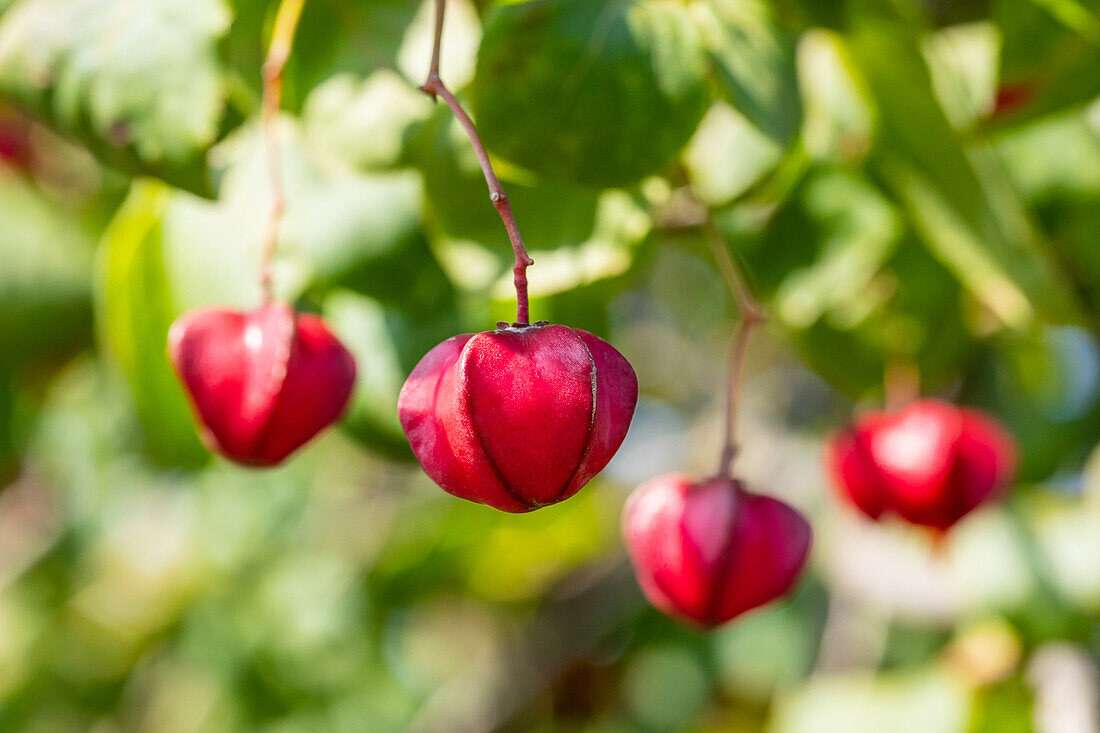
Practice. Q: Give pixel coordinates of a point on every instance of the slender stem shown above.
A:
(752, 315)
(901, 383)
(434, 87)
(440, 9)
(282, 38)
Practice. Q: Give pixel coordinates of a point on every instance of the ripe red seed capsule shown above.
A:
(931, 463)
(261, 383)
(709, 551)
(520, 417)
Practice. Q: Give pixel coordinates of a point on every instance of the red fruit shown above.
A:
(1012, 97)
(15, 140)
(709, 551)
(520, 417)
(262, 383)
(931, 463)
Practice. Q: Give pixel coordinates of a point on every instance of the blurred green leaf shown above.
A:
(853, 290)
(664, 686)
(727, 155)
(1043, 384)
(1046, 66)
(839, 112)
(1076, 16)
(367, 123)
(1002, 708)
(599, 92)
(337, 220)
(957, 199)
(367, 330)
(45, 267)
(135, 308)
(550, 214)
(913, 702)
(139, 83)
(962, 61)
(755, 62)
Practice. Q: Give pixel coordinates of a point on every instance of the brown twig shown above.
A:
(282, 38)
(901, 383)
(434, 87)
(752, 315)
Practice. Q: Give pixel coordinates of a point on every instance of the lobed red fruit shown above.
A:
(931, 463)
(709, 551)
(520, 417)
(261, 383)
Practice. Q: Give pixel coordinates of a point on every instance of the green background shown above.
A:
(904, 182)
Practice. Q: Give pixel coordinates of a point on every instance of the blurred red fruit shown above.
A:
(15, 141)
(262, 383)
(931, 463)
(1011, 98)
(709, 551)
(520, 417)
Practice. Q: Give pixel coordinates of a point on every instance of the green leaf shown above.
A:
(1005, 707)
(958, 199)
(839, 114)
(599, 92)
(963, 63)
(134, 311)
(1046, 64)
(854, 291)
(1074, 15)
(362, 325)
(755, 60)
(910, 702)
(1044, 386)
(368, 123)
(139, 83)
(549, 214)
(727, 156)
(1055, 165)
(45, 273)
(387, 343)
(823, 247)
(337, 220)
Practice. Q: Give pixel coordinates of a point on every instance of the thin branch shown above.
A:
(752, 315)
(901, 383)
(434, 87)
(282, 38)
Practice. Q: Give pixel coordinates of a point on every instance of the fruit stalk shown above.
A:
(435, 88)
(752, 315)
(282, 38)
(900, 383)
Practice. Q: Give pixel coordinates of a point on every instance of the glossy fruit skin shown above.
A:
(708, 551)
(520, 417)
(261, 383)
(931, 463)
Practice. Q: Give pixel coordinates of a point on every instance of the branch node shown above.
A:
(752, 315)
(272, 70)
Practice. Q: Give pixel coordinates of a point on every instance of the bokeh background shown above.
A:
(905, 182)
